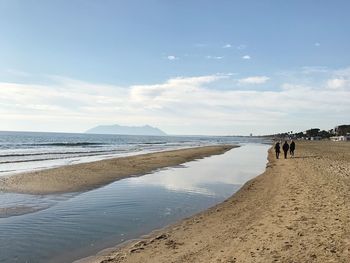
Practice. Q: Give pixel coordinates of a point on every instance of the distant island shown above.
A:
(126, 130)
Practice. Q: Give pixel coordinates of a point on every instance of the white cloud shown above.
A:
(227, 46)
(182, 105)
(338, 79)
(214, 57)
(154, 94)
(254, 80)
(342, 73)
(247, 57)
(317, 44)
(338, 83)
(171, 57)
(315, 69)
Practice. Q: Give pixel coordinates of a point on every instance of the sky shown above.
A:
(186, 66)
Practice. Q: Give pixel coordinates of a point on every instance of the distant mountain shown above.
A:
(127, 130)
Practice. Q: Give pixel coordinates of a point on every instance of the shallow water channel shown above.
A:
(63, 228)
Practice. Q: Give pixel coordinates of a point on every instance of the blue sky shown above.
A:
(187, 67)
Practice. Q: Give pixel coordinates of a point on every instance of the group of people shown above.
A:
(285, 147)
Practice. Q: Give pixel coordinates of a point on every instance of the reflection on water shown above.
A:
(233, 168)
(71, 226)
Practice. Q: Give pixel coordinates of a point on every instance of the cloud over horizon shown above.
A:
(181, 105)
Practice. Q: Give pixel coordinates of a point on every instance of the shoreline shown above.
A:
(296, 211)
(87, 176)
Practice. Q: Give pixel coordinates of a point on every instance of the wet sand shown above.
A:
(86, 176)
(298, 210)
(17, 210)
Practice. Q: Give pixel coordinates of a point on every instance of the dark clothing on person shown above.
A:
(277, 149)
(285, 148)
(292, 148)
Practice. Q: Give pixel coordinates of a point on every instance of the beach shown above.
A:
(296, 211)
(87, 176)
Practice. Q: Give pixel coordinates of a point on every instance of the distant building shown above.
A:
(342, 130)
(340, 138)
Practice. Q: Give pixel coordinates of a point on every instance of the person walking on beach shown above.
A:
(277, 149)
(292, 148)
(285, 148)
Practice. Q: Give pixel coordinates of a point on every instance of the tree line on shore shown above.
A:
(340, 130)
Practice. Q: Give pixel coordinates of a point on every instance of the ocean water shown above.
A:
(66, 227)
(26, 151)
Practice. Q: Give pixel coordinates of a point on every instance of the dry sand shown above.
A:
(87, 176)
(298, 210)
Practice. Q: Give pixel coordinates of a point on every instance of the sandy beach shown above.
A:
(298, 210)
(86, 176)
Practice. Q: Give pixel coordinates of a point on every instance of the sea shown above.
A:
(29, 151)
(61, 228)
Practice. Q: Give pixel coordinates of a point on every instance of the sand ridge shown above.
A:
(298, 210)
(86, 176)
